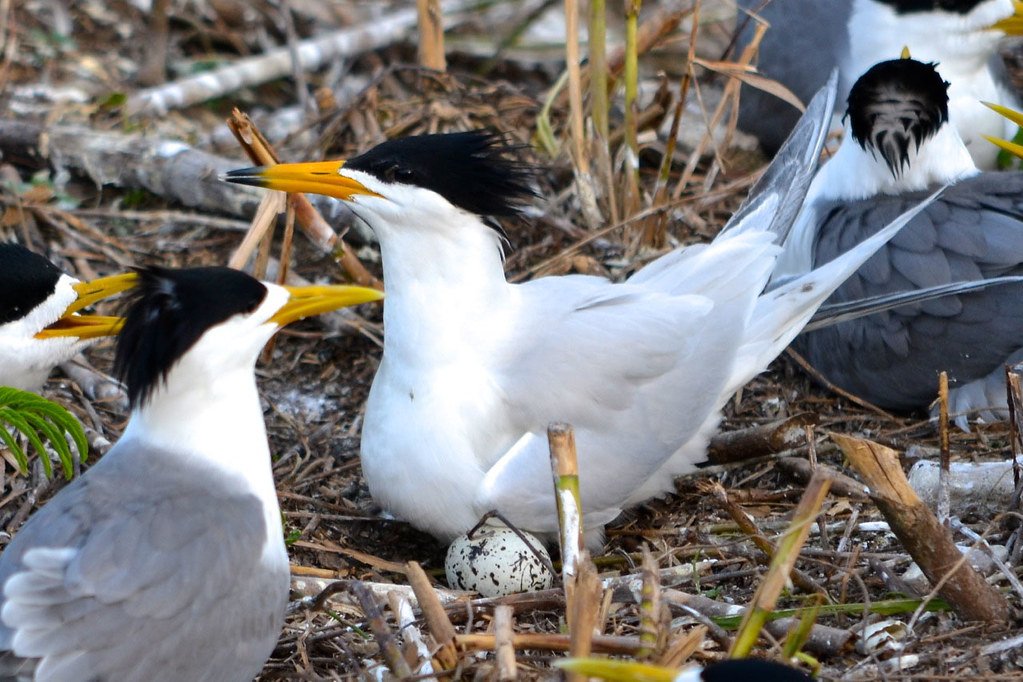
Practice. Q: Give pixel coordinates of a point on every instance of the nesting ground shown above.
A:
(74, 67)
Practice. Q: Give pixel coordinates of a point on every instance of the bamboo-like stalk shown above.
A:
(631, 204)
(649, 608)
(784, 560)
(582, 610)
(565, 467)
(598, 68)
(654, 228)
(798, 636)
(580, 154)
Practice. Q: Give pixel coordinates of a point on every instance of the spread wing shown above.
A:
(141, 571)
(974, 230)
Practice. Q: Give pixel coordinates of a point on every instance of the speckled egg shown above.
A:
(496, 562)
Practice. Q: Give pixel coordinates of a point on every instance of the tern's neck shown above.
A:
(213, 422)
(443, 282)
(856, 173)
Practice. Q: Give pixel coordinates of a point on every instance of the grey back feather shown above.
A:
(158, 558)
(972, 232)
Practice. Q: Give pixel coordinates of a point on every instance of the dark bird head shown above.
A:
(895, 107)
(962, 7)
(167, 313)
(475, 171)
(212, 319)
(26, 281)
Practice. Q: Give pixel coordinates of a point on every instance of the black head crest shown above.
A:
(26, 280)
(166, 314)
(475, 171)
(914, 6)
(895, 105)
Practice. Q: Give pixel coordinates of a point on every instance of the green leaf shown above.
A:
(40, 420)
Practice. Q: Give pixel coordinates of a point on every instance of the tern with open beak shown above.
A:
(474, 368)
(166, 559)
(40, 326)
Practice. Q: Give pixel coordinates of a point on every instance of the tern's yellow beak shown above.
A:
(1016, 117)
(90, 326)
(98, 289)
(83, 327)
(319, 177)
(617, 671)
(313, 300)
(1012, 25)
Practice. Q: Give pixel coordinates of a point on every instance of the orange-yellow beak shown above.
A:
(319, 177)
(313, 300)
(1014, 116)
(1012, 25)
(90, 326)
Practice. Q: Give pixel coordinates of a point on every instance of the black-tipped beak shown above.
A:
(319, 177)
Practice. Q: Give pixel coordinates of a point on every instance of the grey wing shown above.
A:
(974, 230)
(774, 201)
(143, 575)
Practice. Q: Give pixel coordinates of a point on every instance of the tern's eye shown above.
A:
(396, 173)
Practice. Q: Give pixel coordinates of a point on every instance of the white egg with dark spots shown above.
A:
(496, 562)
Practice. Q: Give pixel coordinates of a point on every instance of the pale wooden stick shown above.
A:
(944, 496)
(312, 54)
(504, 648)
(431, 35)
(443, 632)
(262, 223)
(924, 537)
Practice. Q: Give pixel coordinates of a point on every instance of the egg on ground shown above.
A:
(496, 562)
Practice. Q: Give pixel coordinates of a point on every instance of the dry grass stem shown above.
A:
(782, 563)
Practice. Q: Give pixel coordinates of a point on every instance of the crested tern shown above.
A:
(40, 326)
(166, 559)
(806, 41)
(474, 368)
(898, 147)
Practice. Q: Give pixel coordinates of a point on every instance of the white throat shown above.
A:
(26, 361)
(444, 271)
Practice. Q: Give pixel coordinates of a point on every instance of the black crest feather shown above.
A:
(896, 104)
(951, 6)
(26, 280)
(167, 312)
(477, 170)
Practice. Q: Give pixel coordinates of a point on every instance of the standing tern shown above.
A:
(900, 146)
(474, 368)
(40, 326)
(961, 36)
(166, 560)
